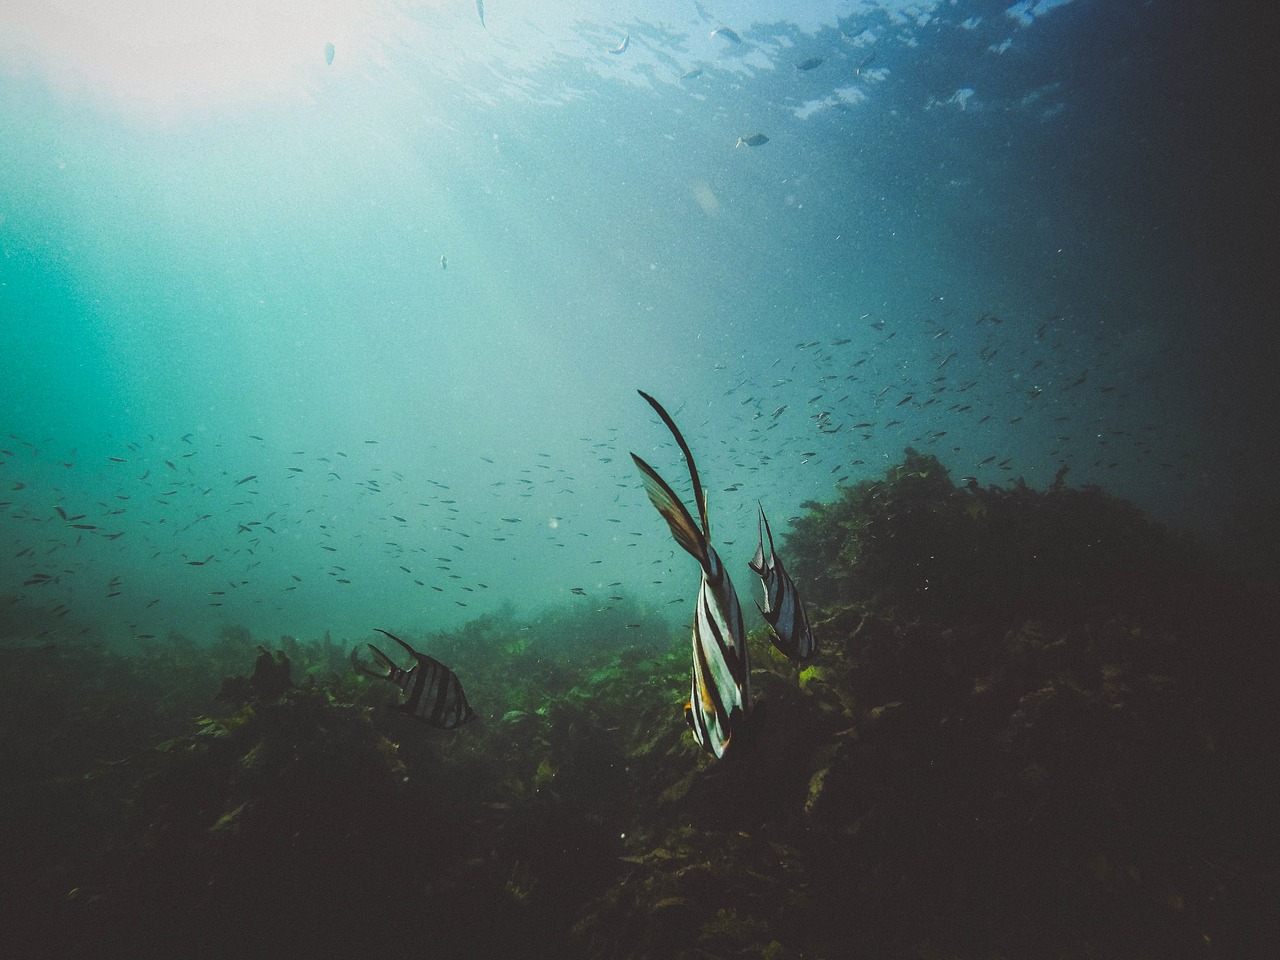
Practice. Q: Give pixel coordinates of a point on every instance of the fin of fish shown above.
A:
(699, 497)
(683, 528)
(720, 686)
(433, 693)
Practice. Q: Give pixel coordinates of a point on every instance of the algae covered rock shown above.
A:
(915, 539)
(1032, 728)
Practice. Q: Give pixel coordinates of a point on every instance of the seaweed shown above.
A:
(1035, 727)
(916, 540)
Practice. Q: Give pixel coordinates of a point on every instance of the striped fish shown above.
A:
(433, 693)
(720, 698)
(783, 609)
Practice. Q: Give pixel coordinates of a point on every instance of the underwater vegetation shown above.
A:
(1035, 726)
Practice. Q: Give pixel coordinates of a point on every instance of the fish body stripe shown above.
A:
(720, 688)
(783, 609)
(721, 676)
(774, 591)
(433, 692)
(720, 622)
(792, 634)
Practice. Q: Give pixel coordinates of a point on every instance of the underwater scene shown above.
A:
(630, 480)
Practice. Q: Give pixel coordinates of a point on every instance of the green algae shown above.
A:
(993, 755)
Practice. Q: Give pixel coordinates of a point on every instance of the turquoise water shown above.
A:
(320, 319)
(412, 293)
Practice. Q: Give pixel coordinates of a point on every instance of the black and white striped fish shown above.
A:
(720, 699)
(783, 610)
(432, 691)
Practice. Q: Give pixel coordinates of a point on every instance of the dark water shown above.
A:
(304, 348)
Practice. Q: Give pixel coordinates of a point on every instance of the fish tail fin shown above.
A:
(683, 528)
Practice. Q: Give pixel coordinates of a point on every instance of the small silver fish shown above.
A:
(692, 74)
(755, 140)
(328, 54)
(480, 10)
(622, 47)
(809, 64)
(727, 34)
(444, 262)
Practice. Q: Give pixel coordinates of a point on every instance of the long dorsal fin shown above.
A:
(414, 653)
(674, 512)
(765, 521)
(698, 496)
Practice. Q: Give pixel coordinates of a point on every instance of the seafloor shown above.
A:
(1038, 725)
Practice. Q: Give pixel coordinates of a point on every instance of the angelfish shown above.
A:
(433, 693)
(783, 610)
(720, 697)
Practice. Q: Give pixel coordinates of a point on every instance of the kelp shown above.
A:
(914, 539)
(1032, 729)
(1013, 743)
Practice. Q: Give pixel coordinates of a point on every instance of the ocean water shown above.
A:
(326, 317)
(412, 292)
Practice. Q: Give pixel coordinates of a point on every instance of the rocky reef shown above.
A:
(1037, 726)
